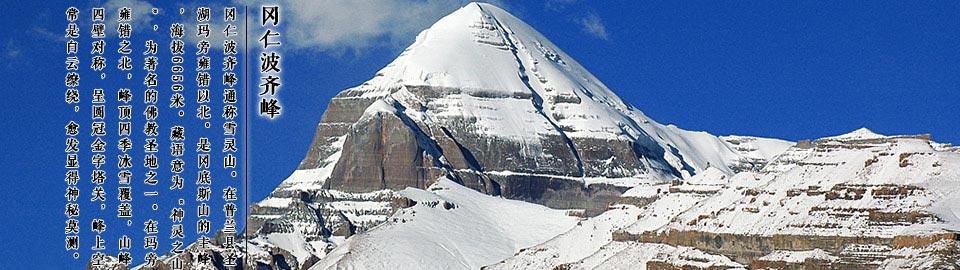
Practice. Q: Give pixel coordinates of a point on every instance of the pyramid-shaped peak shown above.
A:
(480, 7)
(496, 85)
(859, 134)
(474, 10)
(483, 47)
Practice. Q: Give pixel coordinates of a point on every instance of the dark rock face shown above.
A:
(380, 153)
(309, 208)
(342, 111)
(559, 193)
(621, 158)
(390, 150)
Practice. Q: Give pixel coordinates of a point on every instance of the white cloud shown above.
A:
(13, 54)
(47, 34)
(338, 25)
(326, 25)
(13, 50)
(142, 14)
(557, 5)
(594, 26)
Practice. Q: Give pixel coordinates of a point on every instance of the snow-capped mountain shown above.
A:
(486, 101)
(485, 145)
(484, 98)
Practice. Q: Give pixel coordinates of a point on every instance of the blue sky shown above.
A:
(787, 70)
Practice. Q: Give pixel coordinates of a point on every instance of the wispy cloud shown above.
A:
(13, 51)
(327, 26)
(47, 35)
(557, 5)
(339, 25)
(141, 14)
(583, 15)
(591, 24)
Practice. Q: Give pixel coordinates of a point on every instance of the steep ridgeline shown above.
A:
(484, 101)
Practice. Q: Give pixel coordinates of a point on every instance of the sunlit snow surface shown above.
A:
(476, 230)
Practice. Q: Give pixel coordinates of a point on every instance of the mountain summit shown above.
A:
(486, 99)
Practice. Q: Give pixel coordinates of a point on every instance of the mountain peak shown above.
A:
(492, 84)
(859, 134)
(483, 47)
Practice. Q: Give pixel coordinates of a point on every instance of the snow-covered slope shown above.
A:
(640, 256)
(592, 239)
(449, 227)
(584, 239)
(853, 201)
(804, 191)
(861, 197)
